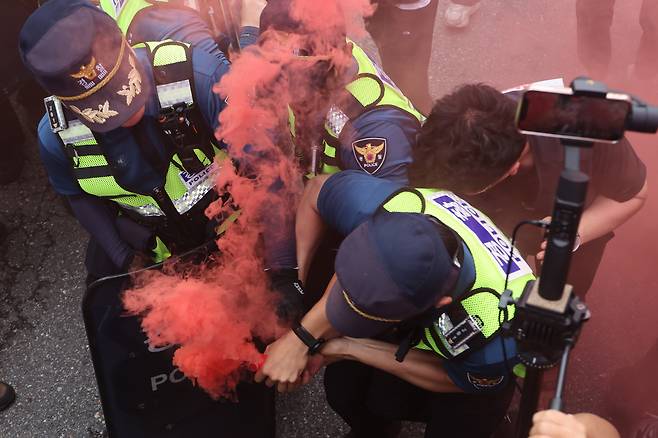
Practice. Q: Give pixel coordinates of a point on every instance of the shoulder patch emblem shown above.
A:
(370, 153)
(481, 382)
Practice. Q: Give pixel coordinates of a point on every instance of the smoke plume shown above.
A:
(214, 312)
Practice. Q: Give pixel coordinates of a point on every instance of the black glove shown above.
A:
(137, 236)
(290, 307)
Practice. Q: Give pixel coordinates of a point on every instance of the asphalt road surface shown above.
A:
(43, 350)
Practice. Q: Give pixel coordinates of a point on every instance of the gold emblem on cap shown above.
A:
(87, 71)
(99, 116)
(134, 86)
(101, 83)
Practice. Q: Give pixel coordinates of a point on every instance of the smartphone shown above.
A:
(556, 112)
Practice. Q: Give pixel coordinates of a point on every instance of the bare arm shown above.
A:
(420, 368)
(309, 227)
(287, 357)
(556, 424)
(316, 321)
(605, 215)
(597, 427)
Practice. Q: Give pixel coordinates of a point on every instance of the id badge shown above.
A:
(455, 337)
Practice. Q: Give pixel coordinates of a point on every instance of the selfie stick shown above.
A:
(549, 316)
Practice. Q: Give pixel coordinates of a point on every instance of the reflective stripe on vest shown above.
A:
(372, 88)
(490, 249)
(94, 174)
(124, 11)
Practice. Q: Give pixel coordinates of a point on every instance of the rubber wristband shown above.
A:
(313, 344)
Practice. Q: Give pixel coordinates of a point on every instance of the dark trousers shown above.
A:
(594, 42)
(370, 400)
(404, 39)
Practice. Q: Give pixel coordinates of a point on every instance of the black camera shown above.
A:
(549, 315)
(586, 112)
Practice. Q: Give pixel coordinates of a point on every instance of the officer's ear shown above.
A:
(524, 160)
(514, 169)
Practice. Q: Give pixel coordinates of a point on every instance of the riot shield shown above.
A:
(144, 395)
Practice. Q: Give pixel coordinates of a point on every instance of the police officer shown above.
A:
(147, 20)
(406, 252)
(355, 114)
(115, 155)
(132, 149)
(369, 125)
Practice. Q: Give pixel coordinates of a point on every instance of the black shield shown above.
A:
(144, 395)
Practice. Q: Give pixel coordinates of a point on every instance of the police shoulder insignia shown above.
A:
(370, 153)
(482, 382)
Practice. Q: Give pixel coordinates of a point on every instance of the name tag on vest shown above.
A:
(192, 180)
(496, 243)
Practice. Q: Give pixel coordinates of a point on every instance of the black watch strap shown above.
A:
(308, 339)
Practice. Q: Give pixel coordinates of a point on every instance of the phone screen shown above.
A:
(556, 114)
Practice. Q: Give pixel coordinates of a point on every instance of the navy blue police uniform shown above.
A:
(370, 134)
(374, 137)
(396, 129)
(130, 183)
(139, 173)
(346, 200)
(138, 164)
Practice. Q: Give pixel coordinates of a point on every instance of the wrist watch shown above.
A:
(313, 344)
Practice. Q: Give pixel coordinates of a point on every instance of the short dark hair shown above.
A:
(322, 35)
(468, 141)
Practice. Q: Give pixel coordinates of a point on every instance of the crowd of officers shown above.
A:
(416, 196)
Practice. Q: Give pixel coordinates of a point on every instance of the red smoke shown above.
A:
(323, 16)
(211, 321)
(214, 311)
(506, 46)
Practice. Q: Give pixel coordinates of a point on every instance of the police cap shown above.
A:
(78, 53)
(391, 268)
